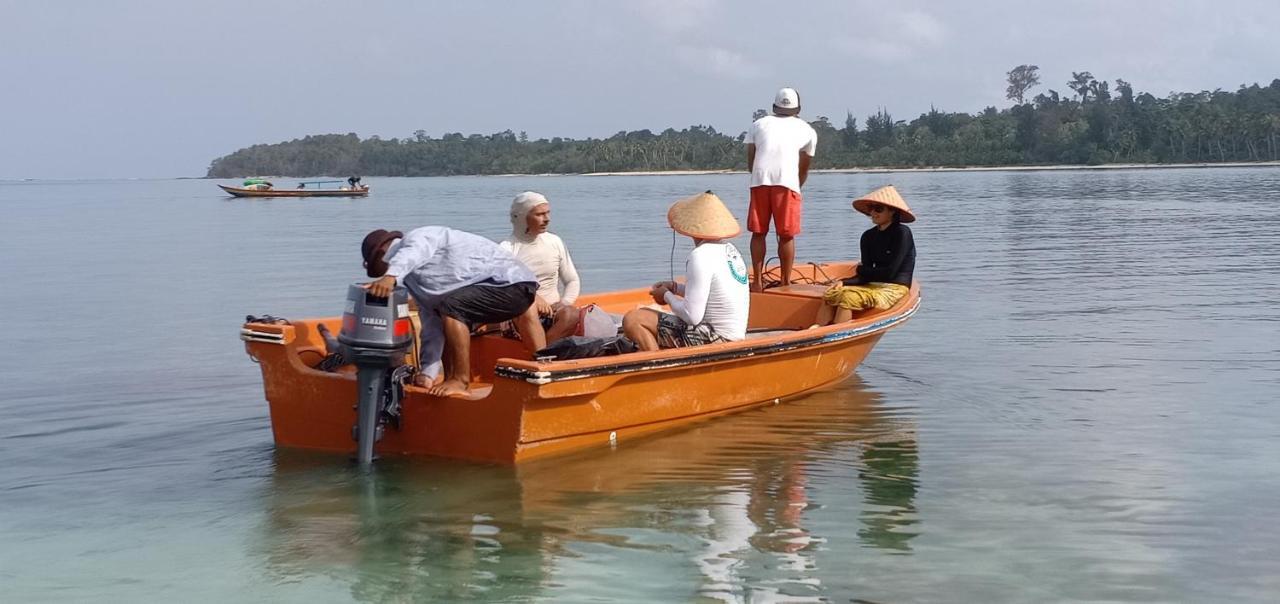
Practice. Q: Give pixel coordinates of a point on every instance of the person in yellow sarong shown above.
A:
(883, 277)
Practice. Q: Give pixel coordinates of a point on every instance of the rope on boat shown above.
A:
(772, 277)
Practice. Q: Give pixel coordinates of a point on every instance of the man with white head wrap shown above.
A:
(546, 255)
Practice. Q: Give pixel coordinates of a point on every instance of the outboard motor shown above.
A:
(375, 334)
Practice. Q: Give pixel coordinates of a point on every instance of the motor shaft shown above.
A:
(371, 383)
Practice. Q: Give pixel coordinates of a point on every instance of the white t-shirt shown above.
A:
(549, 260)
(779, 142)
(715, 290)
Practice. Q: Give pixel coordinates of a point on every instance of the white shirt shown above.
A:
(433, 261)
(715, 290)
(779, 142)
(549, 260)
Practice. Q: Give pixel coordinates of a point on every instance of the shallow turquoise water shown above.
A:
(1082, 410)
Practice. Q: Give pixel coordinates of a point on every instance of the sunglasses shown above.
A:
(875, 207)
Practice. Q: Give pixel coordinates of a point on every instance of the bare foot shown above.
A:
(755, 287)
(450, 387)
(814, 326)
(424, 381)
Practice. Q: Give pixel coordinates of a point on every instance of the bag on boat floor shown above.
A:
(594, 322)
(583, 347)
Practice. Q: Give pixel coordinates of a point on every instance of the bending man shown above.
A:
(459, 280)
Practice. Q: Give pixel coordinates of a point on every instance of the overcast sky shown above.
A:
(145, 89)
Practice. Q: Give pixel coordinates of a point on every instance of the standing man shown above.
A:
(779, 149)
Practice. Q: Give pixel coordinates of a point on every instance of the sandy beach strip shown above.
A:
(882, 170)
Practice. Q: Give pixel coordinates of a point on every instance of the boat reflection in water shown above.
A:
(748, 505)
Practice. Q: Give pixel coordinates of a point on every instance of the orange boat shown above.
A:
(522, 409)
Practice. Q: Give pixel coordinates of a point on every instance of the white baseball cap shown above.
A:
(788, 100)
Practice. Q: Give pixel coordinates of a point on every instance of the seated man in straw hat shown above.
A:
(888, 260)
(546, 255)
(711, 306)
(459, 280)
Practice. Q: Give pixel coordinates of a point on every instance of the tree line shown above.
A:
(1097, 122)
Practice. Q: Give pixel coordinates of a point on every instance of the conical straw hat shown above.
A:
(703, 216)
(888, 196)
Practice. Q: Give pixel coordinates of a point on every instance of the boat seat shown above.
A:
(802, 290)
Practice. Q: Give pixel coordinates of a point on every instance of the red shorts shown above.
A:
(776, 202)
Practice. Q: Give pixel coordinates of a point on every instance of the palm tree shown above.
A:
(1080, 83)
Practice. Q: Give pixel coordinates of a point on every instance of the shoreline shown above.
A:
(888, 170)
(868, 170)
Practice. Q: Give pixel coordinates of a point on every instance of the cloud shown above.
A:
(676, 16)
(719, 62)
(688, 28)
(895, 36)
(922, 28)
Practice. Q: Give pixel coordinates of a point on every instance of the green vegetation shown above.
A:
(1096, 124)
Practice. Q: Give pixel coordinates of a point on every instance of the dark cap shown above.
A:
(370, 245)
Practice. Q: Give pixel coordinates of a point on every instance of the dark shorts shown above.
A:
(673, 332)
(484, 303)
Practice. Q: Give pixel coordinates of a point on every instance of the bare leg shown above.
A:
(529, 326)
(825, 314)
(843, 315)
(759, 247)
(566, 321)
(457, 359)
(641, 325)
(786, 256)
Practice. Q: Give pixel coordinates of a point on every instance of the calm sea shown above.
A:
(1083, 410)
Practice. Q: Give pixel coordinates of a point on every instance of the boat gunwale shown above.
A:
(506, 367)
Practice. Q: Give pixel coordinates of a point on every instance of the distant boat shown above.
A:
(257, 187)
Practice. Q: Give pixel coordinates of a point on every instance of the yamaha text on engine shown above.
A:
(375, 334)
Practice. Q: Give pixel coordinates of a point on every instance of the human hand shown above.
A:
(382, 287)
(670, 286)
(544, 309)
(659, 293)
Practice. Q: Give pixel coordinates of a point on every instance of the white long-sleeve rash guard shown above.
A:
(715, 290)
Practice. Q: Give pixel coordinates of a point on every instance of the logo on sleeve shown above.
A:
(737, 267)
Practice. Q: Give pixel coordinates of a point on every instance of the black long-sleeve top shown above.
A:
(888, 256)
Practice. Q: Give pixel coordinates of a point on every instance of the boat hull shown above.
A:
(239, 192)
(536, 410)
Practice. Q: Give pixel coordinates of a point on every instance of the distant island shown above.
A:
(1097, 124)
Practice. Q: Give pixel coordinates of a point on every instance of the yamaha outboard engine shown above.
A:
(375, 334)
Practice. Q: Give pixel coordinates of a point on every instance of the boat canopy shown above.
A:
(256, 181)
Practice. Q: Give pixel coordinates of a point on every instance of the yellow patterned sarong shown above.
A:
(870, 295)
